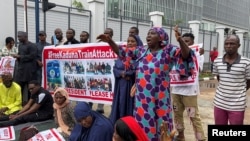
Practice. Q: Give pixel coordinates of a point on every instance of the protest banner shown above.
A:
(48, 135)
(7, 64)
(7, 133)
(175, 76)
(84, 70)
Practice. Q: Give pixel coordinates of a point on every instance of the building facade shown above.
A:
(175, 11)
(230, 13)
(123, 14)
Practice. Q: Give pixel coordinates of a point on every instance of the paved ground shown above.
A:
(205, 100)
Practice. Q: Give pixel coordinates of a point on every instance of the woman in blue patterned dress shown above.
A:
(152, 98)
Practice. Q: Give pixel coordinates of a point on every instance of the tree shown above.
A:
(177, 22)
(78, 5)
(164, 21)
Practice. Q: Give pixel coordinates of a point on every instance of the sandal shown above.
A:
(179, 138)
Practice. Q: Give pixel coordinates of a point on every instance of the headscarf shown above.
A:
(127, 62)
(162, 34)
(82, 110)
(135, 128)
(184, 67)
(58, 108)
(100, 125)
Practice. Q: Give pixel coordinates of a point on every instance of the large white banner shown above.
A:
(84, 70)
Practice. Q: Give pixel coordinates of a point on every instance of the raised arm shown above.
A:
(184, 47)
(107, 39)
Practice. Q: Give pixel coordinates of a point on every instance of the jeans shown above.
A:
(212, 65)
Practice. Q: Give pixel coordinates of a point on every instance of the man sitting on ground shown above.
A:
(10, 97)
(38, 108)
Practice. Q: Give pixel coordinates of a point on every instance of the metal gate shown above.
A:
(121, 25)
(59, 17)
(209, 39)
(245, 47)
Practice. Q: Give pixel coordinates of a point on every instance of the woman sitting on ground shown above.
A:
(91, 126)
(63, 110)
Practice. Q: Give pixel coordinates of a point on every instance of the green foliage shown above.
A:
(177, 22)
(205, 74)
(78, 5)
(164, 21)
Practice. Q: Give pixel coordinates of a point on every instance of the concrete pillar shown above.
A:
(240, 34)
(156, 18)
(220, 31)
(195, 26)
(97, 23)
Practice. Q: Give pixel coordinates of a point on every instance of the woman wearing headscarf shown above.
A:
(152, 97)
(63, 111)
(127, 129)
(124, 72)
(91, 126)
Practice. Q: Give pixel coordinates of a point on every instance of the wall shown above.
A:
(7, 24)
(57, 17)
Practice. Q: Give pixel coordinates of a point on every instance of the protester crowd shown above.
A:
(143, 107)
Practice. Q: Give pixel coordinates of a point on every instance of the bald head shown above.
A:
(22, 36)
(22, 33)
(59, 34)
(233, 36)
(231, 45)
(7, 79)
(58, 30)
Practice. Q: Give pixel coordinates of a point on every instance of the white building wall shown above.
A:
(7, 20)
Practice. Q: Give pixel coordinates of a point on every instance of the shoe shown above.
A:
(179, 137)
(101, 111)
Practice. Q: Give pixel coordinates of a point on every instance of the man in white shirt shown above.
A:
(185, 97)
(233, 74)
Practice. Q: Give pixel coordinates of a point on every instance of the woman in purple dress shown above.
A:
(123, 103)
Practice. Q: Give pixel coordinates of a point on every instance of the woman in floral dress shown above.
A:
(152, 98)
